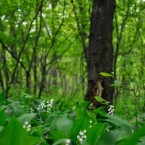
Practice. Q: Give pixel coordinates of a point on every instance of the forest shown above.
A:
(72, 72)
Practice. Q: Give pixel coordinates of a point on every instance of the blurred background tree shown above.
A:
(43, 50)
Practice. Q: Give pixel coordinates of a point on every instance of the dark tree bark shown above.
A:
(100, 51)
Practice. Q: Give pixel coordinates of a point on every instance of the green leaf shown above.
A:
(95, 133)
(79, 124)
(60, 141)
(122, 124)
(135, 139)
(26, 117)
(117, 83)
(104, 74)
(100, 100)
(2, 96)
(15, 134)
(61, 127)
(1, 128)
(110, 137)
(3, 117)
(16, 107)
(142, 141)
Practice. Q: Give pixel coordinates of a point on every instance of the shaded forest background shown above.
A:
(43, 45)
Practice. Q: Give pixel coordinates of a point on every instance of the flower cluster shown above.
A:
(31, 110)
(27, 126)
(46, 105)
(42, 105)
(111, 110)
(49, 104)
(82, 136)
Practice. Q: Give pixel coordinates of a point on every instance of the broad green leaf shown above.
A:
(61, 141)
(110, 136)
(135, 139)
(79, 124)
(15, 134)
(61, 127)
(1, 128)
(118, 122)
(95, 133)
(81, 110)
(16, 108)
(142, 141)
(26, 117)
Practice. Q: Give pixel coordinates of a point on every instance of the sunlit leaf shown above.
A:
(100, 100)
(104, 74)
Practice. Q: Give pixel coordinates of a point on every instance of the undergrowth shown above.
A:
(30, 121)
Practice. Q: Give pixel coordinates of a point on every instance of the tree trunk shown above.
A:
(100, 52)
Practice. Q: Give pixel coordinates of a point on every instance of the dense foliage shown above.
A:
(42, 53)
(33, 121)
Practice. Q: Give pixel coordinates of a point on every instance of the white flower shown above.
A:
(6, 20)
(41, 105)
(51, 101)
(81, 140)
(19, 15)
(31, 110)
(91, 121)
(140, 1)
(19, 10)
(47, 105)
(27, 126)
(24, 23)
(26, 123)
(43, 15)
(111, 110)
(3, 17)
(34, 22)
(82, 136)
(68, 142)
(49, 6)
(81, 133)
(32, 30)
(50, 104)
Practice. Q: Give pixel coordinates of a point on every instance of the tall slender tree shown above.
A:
(100, 51)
